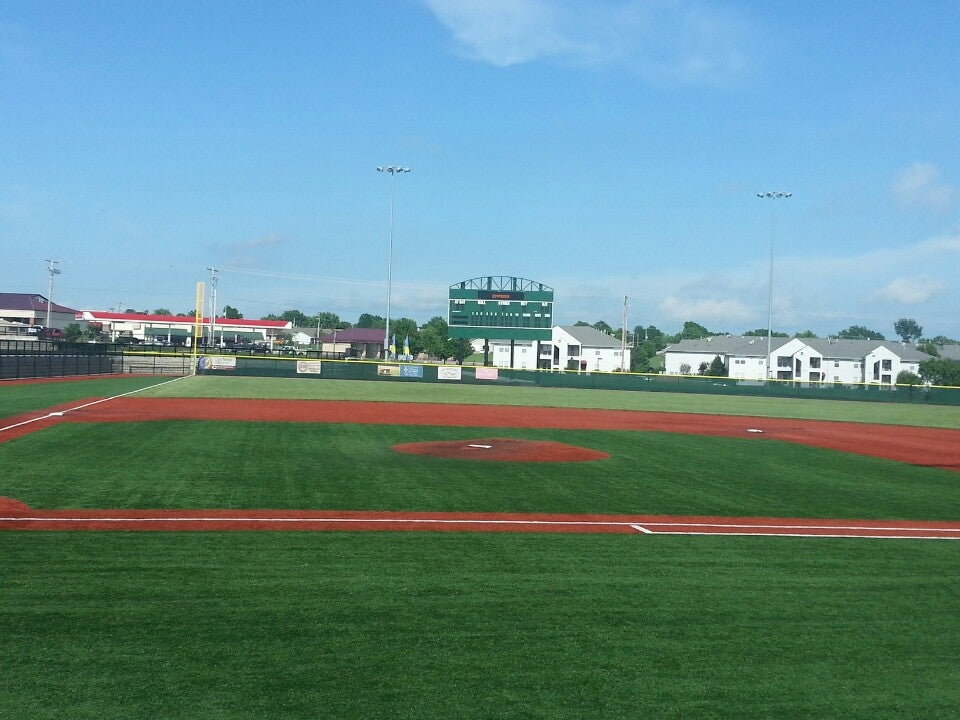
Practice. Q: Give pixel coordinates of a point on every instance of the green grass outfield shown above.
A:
(19, 398)
(438, 625)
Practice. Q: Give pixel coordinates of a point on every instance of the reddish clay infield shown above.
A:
(933, 447)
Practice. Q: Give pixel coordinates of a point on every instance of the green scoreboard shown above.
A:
(500, 308)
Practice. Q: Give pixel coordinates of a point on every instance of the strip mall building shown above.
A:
(177, 329)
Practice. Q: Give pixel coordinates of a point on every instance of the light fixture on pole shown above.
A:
(771, 195)
(393, 170)
(213, 306)
(53, 270)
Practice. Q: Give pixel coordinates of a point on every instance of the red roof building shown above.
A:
(177, 328)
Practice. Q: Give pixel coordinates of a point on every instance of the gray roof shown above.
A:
(750, 346)
(856, 349)
(728, 345)
(590, 337)
(951, 352)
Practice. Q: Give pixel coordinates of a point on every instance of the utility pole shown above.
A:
(623, 338)
(53, 270)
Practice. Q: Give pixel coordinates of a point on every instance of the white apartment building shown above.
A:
(800, 359)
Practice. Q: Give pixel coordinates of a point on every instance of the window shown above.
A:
(836, 363)
(784, 361)
(887, 364)
(814, 362)
(573, 350)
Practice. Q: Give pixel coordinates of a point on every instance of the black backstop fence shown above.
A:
(23, 359)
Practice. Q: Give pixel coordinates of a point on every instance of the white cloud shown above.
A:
(911, 291)
(921, 185)
(675, 41)
(725, 311)
(818, 292)
(502, 32)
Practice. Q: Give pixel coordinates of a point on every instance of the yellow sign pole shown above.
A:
(197, 324)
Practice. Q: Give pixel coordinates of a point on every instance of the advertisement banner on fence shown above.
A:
(487, 373)
(411, 371)
(217, 362)
(388, 370)
(311, 367)
(445, 372)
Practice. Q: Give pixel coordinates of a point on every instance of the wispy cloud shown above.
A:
(502, 32)
(248, 253)
(911, 290)
(825, 293)
(664, 41)
(921, 185)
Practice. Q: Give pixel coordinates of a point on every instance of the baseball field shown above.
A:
(216, 547)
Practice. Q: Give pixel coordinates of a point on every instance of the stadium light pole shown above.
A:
(54, 271)
(771, 195)
(393, 170)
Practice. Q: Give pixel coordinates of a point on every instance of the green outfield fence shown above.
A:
(473, 375)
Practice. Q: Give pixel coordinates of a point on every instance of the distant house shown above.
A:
(30, 309)
(570, 347)
(360, 343)
(802, 359)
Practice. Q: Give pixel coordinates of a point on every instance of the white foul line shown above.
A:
(703, 528)
(60, 413)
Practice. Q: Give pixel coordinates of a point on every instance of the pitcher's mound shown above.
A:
(9, 505)
(503, 450)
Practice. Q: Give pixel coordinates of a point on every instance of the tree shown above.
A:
(295, 317)
(462, 349)
(73, 333)
(371, 321)
(330, 320)
(905, 377)
(603, 327)
(162, 311)
(908, 329)
(649, 333)
(941, 371)
(806, 334)
(703, 369)
(694, 331)
(231, 313)
(582, 323)
(717, 367)
(929, 348)
(762, 332)
(402, 328)
(434, 337)
(858, 332)
(685, 369)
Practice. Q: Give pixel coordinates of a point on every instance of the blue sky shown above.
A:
(603, 148)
